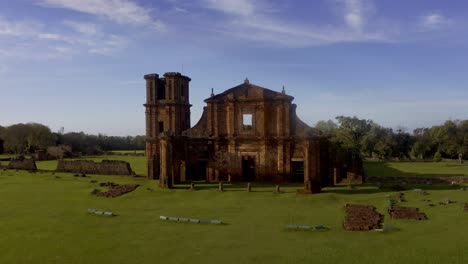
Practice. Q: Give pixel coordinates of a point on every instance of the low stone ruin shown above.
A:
(362, 218)
(22, 164)
(400, 212)
(115, 189)
(106, 167)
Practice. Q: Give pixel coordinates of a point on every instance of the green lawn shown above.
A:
(415, 169)
(43, 220)
(129, 151)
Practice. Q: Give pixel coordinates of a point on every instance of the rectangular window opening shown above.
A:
(161, 91)
(161, 127)
(247, 121)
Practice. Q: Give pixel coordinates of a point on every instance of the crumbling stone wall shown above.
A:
(22, 164)
(60, 152)
(106, 167)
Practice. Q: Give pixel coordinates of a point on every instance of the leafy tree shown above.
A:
(351, 132)
(453, 138)
(386, 145)
(326, 128)
(40, 137)
(15, 137)
(2, 131)
(403, 144)
(26, 138)
(423, 146)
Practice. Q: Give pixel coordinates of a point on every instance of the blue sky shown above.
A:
(79, 64)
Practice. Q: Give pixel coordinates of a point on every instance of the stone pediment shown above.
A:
(248, 91)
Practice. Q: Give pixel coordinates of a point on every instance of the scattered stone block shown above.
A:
(183, 220)
(320, 228)
(362, 218)
(400, 212)
(116, 189)
(194, 220)
(163, 217)
(216, 222)
(173, 218)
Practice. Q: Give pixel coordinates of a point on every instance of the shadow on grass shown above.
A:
(242, 187)
(371, 188)
(384, 169)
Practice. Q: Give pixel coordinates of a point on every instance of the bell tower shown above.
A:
(167, 113)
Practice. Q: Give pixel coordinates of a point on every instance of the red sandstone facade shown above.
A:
(247, 133)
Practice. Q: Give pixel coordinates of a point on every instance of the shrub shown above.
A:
(437, 157)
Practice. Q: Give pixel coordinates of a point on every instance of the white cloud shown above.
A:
(234, 7)
(84, 28)
(32, 40)
(252, 20)
(433, 21)
(180, 9)
(355, 13)
(120, 11)
(16, 29)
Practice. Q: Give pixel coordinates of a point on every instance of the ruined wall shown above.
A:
(106, 167)
(22, 164)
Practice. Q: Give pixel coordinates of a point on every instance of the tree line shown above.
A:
(363, 137)
(370, 140)
(27, 138)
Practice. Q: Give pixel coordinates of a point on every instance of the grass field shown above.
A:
(43, 220)
(415, 169)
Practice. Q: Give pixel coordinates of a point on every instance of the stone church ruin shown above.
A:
(247, 133)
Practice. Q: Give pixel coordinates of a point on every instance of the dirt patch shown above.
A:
(466, 207)
(115, 189)
(400, 212)
(362, 218)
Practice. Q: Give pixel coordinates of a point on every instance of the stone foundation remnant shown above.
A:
(22, 164)
(106, 167)
(400, 212)
(362, 218)
(115, 189)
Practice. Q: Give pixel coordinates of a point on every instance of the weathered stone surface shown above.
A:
(22, 164)
(116, 189)
(60, 152)
(247, 133)
(362, 218)
(106, 167)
